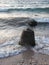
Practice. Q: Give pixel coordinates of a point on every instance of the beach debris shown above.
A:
(27, 38)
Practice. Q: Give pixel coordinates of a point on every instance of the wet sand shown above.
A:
(28, 57)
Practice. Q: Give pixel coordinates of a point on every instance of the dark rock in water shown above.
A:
(27, 38)
(32, 23)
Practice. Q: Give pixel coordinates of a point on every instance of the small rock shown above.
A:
(32, 23)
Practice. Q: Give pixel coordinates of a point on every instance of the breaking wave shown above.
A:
(26, 9)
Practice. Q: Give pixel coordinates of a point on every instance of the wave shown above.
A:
(10, 48)
(26, 9)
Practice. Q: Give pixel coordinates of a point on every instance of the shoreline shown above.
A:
(26, 58)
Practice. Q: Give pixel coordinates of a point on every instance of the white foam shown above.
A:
(42, 45)
(10, 48)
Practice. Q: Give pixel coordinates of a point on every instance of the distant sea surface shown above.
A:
(38, 9)
(13, 17)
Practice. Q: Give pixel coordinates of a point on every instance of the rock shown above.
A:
(32, 23)
(27, 38)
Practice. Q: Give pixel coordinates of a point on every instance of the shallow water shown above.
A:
(42, 38)
(10, 34)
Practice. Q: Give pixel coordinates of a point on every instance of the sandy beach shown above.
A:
(26, 58)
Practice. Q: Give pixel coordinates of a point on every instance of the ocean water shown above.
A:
(14, 15)
(32, 8)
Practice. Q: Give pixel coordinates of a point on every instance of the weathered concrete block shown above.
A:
(27, 38)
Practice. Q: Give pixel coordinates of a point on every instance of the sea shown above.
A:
(14, 16)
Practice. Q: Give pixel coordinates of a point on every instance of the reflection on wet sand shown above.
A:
(28, 57)
(28, 54)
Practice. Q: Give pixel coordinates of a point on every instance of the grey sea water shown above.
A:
(32, 8)
(13, 17)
